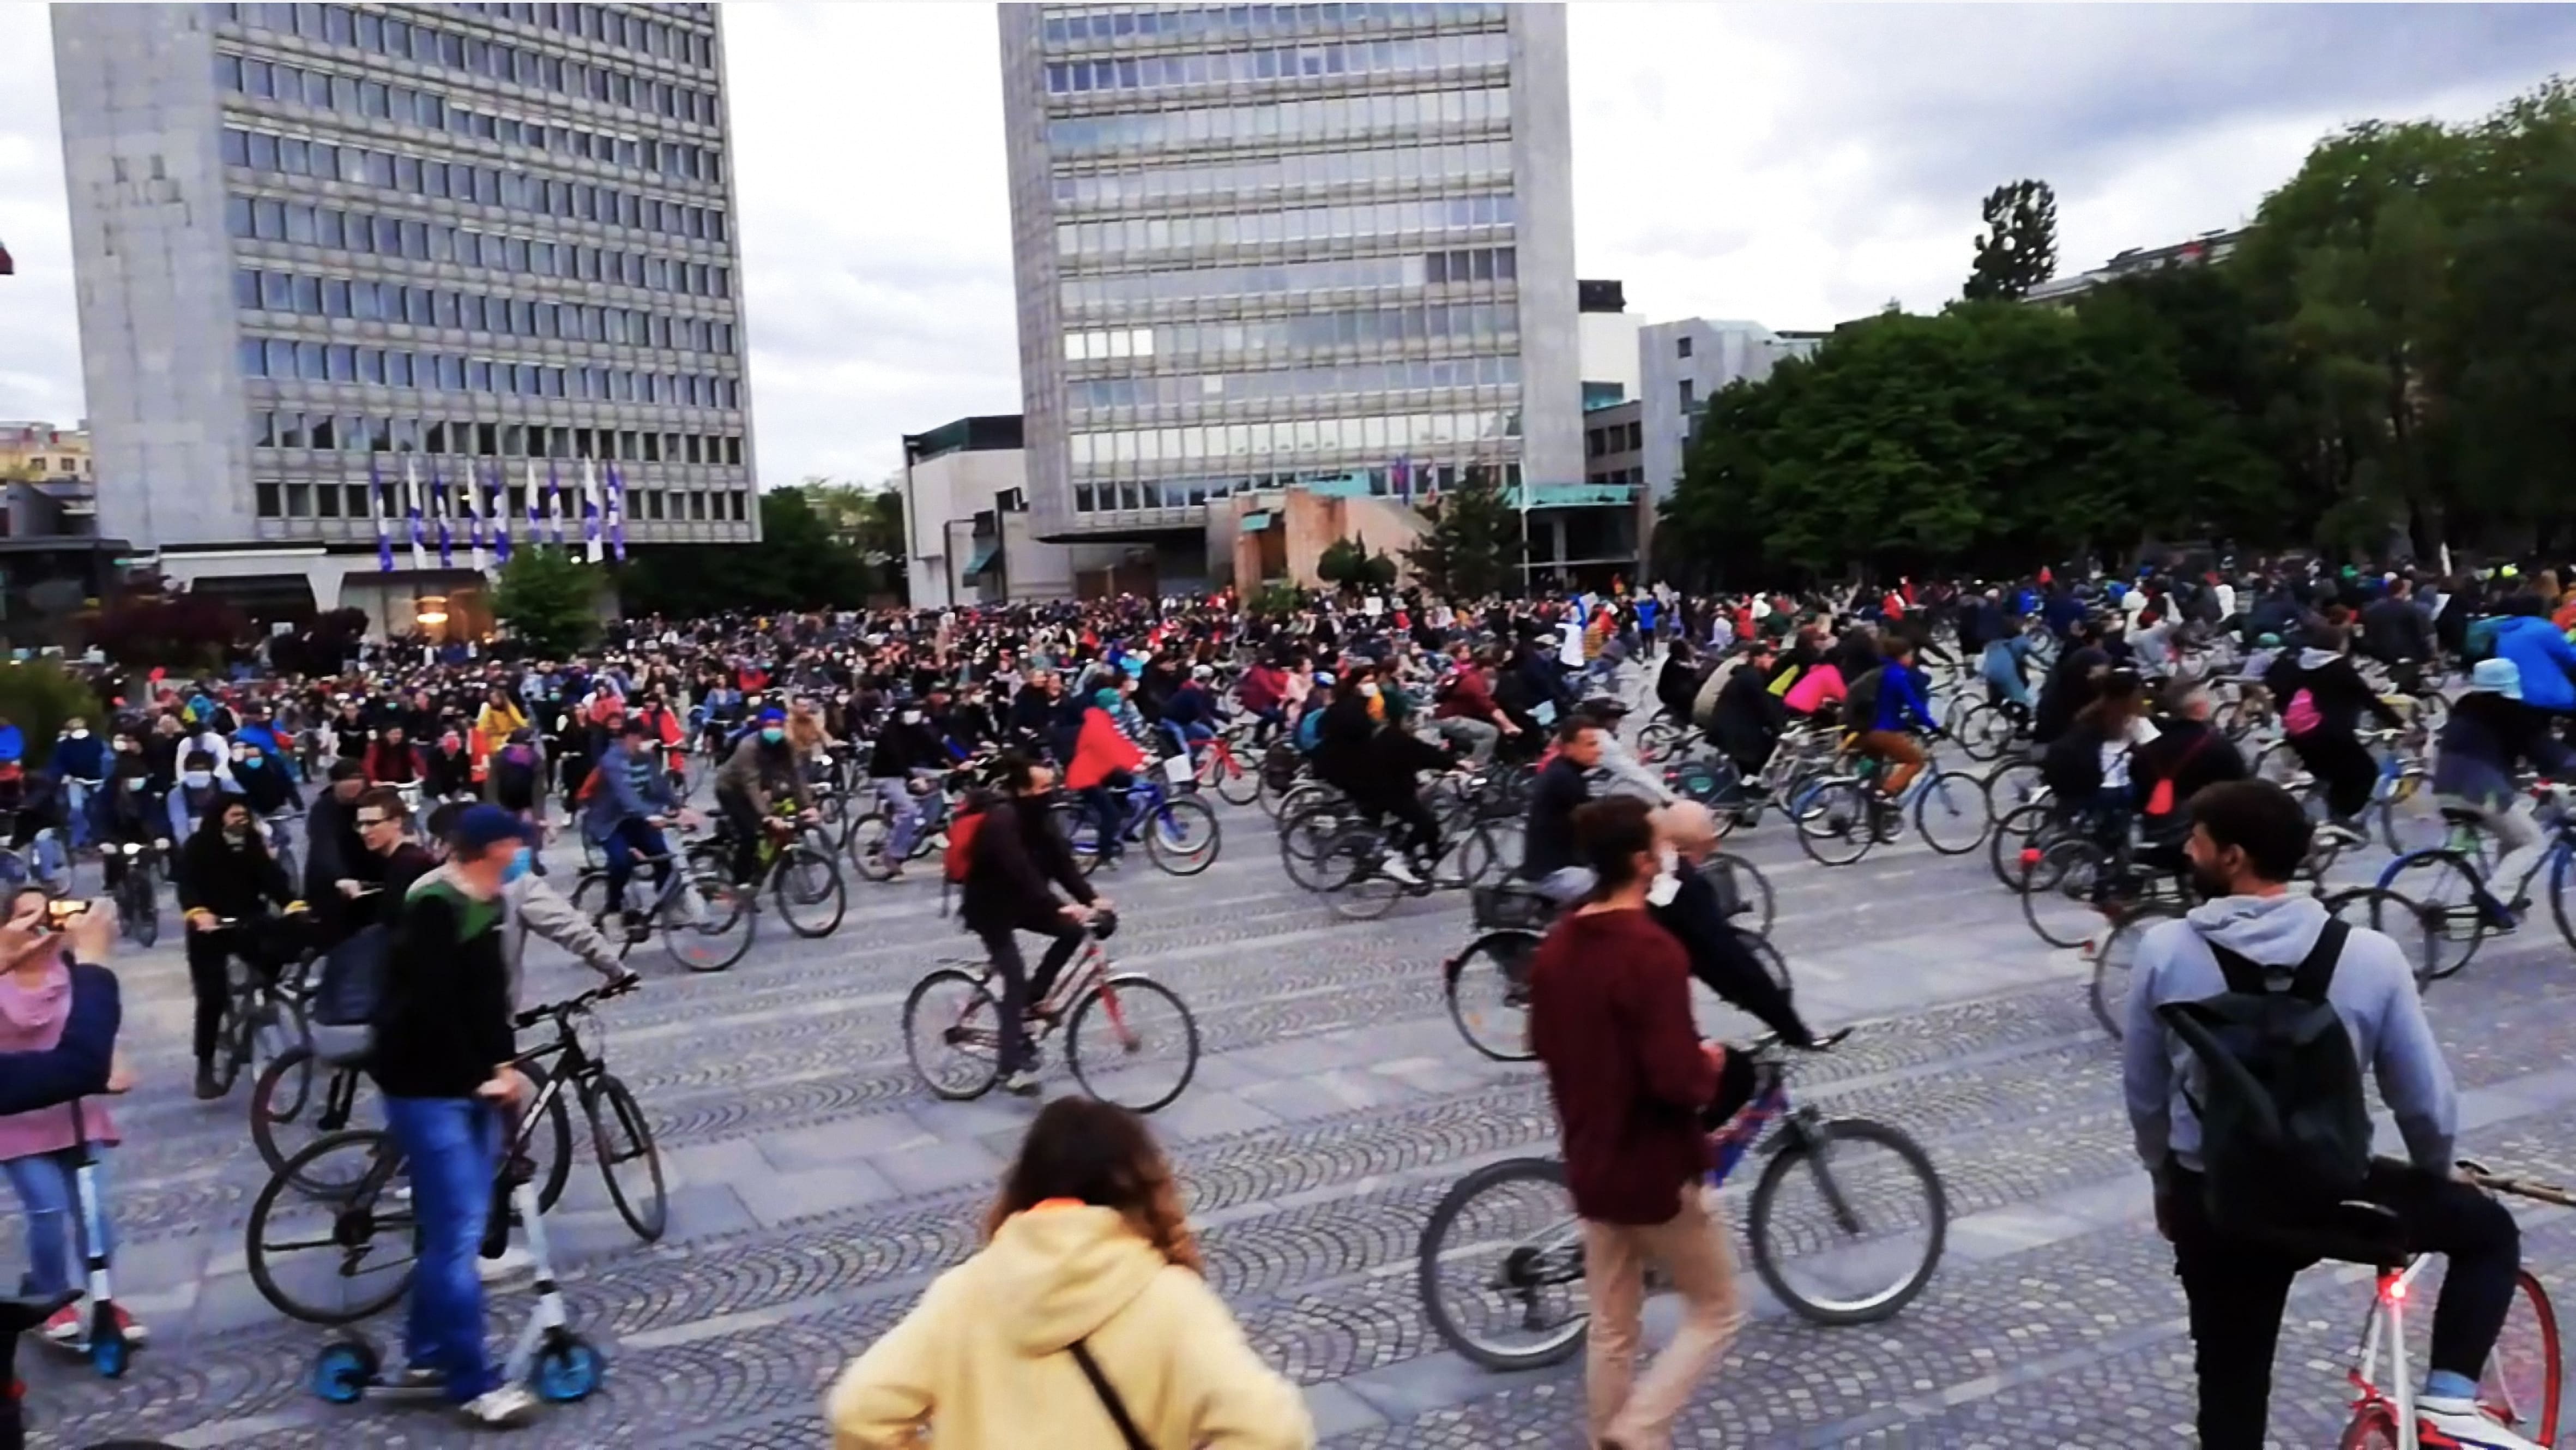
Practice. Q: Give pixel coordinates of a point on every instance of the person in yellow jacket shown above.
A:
(1086, 1247)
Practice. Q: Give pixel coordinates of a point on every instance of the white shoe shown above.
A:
(506, 1408)
(1021, 1084)
(514, 1261)
(1395, 868)
(2463, 1423)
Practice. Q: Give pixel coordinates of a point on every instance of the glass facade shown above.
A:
(492, 235)
(1281, 243)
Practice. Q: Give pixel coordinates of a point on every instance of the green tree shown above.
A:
(868, 520)
(2018, 249)
(1473, 548)
(549, 599)
(797, 565)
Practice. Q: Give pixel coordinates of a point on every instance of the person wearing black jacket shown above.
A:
(1748, 719)
(1692, 911)
(2187, 751)
(225, 871)
(1677, 684)
(1016, 853)
(1375, 764)
(2395, 632)
(333, 851)
(1547, 846)
(2329, 748)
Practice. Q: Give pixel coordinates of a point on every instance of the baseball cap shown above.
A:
(772, 715)
(479, 828)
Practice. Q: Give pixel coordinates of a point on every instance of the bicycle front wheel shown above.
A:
(1353, 870)
(708, 924)
(808, 890)
(2445, 890)
(1488, 992)
(2059, 891)
(1235, 785)
(952, 1031)
(1500, 1267)
(1751, 887)
(335, 1259)
(2415, 930)
(2520, 1383)
(623, 1141)
(1951, 813)
(2118, 959)
(1133, 1042)
(1838, 824)
(865, 842)
(1848, 1221)
(1181, 836)
(285, 1112)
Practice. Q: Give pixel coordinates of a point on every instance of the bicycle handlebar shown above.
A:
(580, 1003)
(2530, 1188)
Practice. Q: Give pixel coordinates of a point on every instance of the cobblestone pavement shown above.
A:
(816, 1186)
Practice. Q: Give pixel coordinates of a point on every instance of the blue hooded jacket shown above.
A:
(2544, 656)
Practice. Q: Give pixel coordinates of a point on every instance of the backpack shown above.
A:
(2285, 1132)
(348, 993)
(2072, 767)
(962, 830)
(2301, 716)
(1860, 700)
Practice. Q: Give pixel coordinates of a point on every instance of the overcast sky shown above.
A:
(1798, 165)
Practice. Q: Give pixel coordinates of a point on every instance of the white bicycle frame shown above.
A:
(2387, 1318)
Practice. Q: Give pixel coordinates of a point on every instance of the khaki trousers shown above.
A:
(1627, 1410)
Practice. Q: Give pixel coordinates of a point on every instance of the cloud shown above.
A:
(1795, 164)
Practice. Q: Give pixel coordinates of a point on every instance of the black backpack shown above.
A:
(1860, 700)
(348, 995)
(2284, 1131)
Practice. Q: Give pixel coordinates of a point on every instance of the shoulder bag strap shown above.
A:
(1109, 1400)
(2316, 972)
(2242, 974)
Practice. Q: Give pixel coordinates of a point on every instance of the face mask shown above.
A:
(1667, 883)
(519, 865)
(772, 734)
(248, 762)
(912, 717)
(80, 735)
(1368, 692)
(197, 779)
(236, 835)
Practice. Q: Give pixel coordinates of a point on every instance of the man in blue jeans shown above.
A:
(444, 1059)
(630, 801)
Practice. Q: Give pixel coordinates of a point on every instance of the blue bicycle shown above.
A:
(2451, 887)
(1179, 832)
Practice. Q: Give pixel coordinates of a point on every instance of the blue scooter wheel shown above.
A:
(343, 1370)
(568, 1370)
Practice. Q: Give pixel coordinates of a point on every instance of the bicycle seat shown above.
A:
(17, 1316)
(2352, 1233)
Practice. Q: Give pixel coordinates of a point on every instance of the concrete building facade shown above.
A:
(970, 539)
(1608, 347)
(1260, 246)
(1681, 365)
(323, 251)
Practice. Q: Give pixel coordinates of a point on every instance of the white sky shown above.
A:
(1798, 165)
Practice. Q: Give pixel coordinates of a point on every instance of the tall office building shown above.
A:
(1268, 244)
(324, 251)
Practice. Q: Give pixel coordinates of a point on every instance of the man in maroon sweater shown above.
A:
(1610, 1019)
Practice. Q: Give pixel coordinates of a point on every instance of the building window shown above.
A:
(1689, 391)
(268, 502)
(1681, 346)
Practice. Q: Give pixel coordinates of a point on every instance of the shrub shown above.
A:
(38, 696)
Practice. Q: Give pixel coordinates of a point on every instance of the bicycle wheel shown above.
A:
(1182, 837)
(865, 844)
(1751, 886)
(543, 1151)
(708, 923)
(2016, 833)
(623, 1142)
(2059, 900)
(2373, 1427)
(1950, 813)
(1132, 1042)
(1500, 1267)
(1304, 839)
(2558, 894)
(335, 1259)
(138, 906)
(1081, 834)
(1848, 1221)
(1235, 785)
(286, 1114)
(1838, 823)
(1659, 739)
(2409, 818)
(1487, 986)
(1984, 732)
(808, 890)
(2520, 1383)
(1468, 857)
(2117, 958)
(2445, 890)
(2012, 785)
(1353, 870)
(2417, 932)
(952, 1032)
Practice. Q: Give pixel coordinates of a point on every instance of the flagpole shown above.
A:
(384, 523)
(411, 506)
(474, 518)
(591, 548)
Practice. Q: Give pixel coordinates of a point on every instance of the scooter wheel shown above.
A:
(344, 1369)
(110, 1355)
(568, 1369)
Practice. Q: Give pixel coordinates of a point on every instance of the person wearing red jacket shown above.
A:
(1103, 757)
(1610, 1020)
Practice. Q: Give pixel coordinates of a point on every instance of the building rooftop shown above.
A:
(983, 433)
(1600, 296)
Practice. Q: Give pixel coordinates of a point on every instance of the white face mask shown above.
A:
(1667, 883)
(1370, 691)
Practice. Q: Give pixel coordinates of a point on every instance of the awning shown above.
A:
(982, 559)
(1255, 522)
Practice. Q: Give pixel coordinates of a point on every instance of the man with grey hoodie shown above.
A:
(2248, 838)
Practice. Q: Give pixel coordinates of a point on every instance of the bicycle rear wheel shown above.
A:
(335, 1259)
(1500, 1267)
(1487, 988)
(2017, 832)
(1353, 869)
(623, 1142)
(809, 892)
(865, 843)
(1837, 823)
(2059, 899)
(708, 925)
(1181, 836)
(2415, 930)
(1848, 1221)
(1132, 1042)
(952, 1031)
(2444, 889)
(2520, 1383)
(1950, 812)
(2117, 958)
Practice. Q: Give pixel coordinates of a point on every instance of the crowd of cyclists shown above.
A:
(292, 812)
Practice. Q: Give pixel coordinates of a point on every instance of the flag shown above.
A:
(616, 513)
(536, 516)
(474, 515)
(590, 512)
(440, 506)
(554, 501)
(501, 517)
(384, 517)
(1400, 473)
(411, 506)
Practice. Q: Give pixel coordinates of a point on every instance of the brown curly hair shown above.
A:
(1103, 1155)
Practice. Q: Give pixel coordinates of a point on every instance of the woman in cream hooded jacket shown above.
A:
(1086, 1245)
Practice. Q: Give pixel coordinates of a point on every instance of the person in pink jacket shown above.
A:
(1820, 686)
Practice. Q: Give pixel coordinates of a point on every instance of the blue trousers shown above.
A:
(631, 840)
(452, 1146)
(57, 1240)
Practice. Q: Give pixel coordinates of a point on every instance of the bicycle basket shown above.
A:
(1499, 908)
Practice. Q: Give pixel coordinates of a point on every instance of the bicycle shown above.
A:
(361, 1229)
(2520, 1384)
(2452, 882)
(1843, 815)
(1352, 879)
(1180, 833)
(264, 1019)
(1821, 1203)
(282, 1133)
(871, 828)
(695, 910)
(2115, 957)
(952, 1028)
(801, 877)
(138, 890)
(1221, 767)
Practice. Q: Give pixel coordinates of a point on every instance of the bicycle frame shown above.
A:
(2386, 1320)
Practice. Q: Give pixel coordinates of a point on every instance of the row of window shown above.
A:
(1415, 269)
(464, 181)
(1192, 389)
(1471, 321)
(360, 501)
(1357, 58)
(365, 301)
(287, 359)
(624, 29)
(405, 36)
(1616, 475)
(1163, 185)
(1324, 118)
(1209, 22)
(1408, 476)
(269, 220)
(357, 433)
(1616, 438)
(304, 86)
(1288, 226)
(1377, 434)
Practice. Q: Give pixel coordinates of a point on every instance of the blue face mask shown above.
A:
(196, 779)
(518, 866)
(247, 762)
(772, 734)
